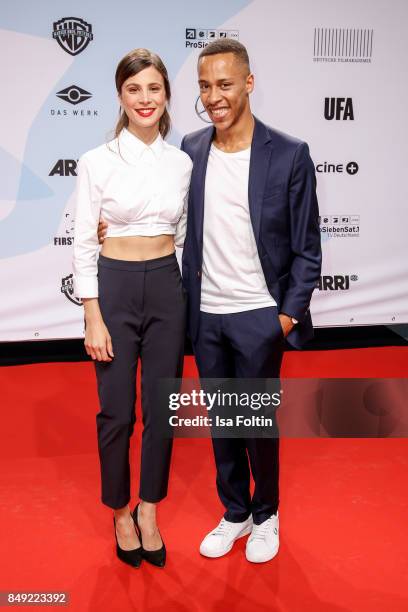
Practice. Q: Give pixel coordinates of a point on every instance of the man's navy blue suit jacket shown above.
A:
(284, 214)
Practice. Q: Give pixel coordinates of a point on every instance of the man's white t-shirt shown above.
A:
(232, 277)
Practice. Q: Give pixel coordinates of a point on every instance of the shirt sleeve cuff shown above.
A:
(85, 286)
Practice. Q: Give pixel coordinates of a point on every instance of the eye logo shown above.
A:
(74, 94)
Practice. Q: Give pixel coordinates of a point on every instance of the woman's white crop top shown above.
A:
(139, 190)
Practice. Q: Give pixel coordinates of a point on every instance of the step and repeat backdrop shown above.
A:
(333, 75)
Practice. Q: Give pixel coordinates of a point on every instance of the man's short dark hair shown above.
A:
(227, 45)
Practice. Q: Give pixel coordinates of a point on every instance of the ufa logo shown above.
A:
(338, 108)
(72, 34)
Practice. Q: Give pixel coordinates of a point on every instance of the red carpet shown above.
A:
(344, 507)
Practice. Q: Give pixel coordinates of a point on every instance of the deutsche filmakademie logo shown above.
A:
(347, 45)
(72, 34)
(198, 38)
(67, 288)
(73, 94)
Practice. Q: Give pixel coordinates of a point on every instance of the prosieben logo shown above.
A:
(198, 38)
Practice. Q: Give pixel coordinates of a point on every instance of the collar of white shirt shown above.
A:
(135, 149)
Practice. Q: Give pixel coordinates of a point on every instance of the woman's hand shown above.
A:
(98, 343)
(102, 228)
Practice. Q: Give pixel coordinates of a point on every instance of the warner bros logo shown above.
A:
(72, 34)
(67, 288)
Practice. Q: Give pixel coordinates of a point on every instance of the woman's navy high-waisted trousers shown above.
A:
(143, 306)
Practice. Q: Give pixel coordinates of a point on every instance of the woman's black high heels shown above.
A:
(155, 557)
(131, 557)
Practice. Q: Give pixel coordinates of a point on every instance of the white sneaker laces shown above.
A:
(259, 531)
(223, 528)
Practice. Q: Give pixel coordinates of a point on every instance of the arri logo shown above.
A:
(338, 108)
(67, 288)
(64, 167)
(74, 94)
(336, 282)
(72, 34)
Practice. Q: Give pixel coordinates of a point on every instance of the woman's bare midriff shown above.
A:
(138, 248)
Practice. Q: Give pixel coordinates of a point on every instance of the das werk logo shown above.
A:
(74, 95)
(72, 34)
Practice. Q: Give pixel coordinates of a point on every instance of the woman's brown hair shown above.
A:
(131, 64)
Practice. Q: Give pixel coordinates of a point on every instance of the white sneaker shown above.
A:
(221, 539)
(263, 543)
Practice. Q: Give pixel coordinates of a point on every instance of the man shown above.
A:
(252, 250)
(251, 260)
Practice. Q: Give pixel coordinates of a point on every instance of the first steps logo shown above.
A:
(68, 238)
(72, 34)
(67, 288)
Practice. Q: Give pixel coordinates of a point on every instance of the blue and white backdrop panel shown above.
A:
(335, 78)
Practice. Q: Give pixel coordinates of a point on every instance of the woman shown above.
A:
(132, 295)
